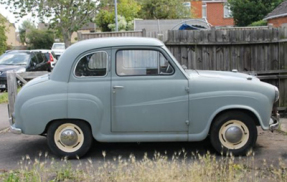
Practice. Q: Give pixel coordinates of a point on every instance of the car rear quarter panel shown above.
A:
(40, 103)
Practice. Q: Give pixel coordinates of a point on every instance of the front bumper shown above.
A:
(274, 122)
(13, 129)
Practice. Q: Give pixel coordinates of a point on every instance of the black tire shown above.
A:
(222, 126)
(80, 144)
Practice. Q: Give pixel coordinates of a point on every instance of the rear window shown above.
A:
(58, 46)
(94, 64)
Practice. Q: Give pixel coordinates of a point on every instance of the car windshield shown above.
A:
(14, 59)
(58, 46)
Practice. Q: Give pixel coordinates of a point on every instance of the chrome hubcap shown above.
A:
(233, 134)
(69, 137)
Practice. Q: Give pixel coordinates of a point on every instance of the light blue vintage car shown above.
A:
(133, 90)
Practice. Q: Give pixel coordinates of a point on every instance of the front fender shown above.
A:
(205, 107)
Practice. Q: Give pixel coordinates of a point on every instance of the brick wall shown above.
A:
(196, 9)
(277, 22)
(215, 15)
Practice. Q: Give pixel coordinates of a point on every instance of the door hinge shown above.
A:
(187, 89)
(187, 122)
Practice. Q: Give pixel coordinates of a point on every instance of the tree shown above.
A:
(246, 12)
(65, 16)
(26, 25)
(40, 39)
(123, 25)
(163, 9)
(3, 37)
(127, 9)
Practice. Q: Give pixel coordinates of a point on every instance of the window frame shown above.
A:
(89, 53)
(143, 49)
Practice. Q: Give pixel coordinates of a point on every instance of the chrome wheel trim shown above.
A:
(69, 137)
(241, 133)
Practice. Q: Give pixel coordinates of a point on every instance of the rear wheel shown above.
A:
(233, 132)
(69, 138)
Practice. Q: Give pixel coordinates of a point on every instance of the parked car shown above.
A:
(133, 90)
(50, 56)
(21, 61)
(58, 49)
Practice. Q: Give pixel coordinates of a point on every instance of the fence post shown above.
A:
(12, 91)
(143, 32)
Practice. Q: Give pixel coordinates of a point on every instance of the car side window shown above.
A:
(34, 60)
(142, 63)
(94, 64)
(40, 57)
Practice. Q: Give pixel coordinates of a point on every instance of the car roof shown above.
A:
(64, 65)
(21, 51)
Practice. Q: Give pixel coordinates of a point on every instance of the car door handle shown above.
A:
(118, 87)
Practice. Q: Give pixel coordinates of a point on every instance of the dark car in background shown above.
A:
(21, 61)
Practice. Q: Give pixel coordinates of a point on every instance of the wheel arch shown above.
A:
(64, 119)
(253, 114)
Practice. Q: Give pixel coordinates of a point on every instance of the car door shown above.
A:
(148, 92)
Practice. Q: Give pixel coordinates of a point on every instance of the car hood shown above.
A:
(4, 68)
(220, 74)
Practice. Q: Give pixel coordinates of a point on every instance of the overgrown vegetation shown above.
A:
(3, 37)
(160, 167)
(246, 12)
(259, 23)
(40, 39)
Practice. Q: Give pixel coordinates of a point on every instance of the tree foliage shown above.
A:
(163, 9)
(127, 9)
(65, 16)
(246, 12)
(3, 37)
(40, 39)
(123, 25)
(25, 26)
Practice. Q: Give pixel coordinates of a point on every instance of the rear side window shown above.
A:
(142, 63)
(94, 64)
(40, 57)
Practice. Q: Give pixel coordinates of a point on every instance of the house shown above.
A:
(278, 17)
(216, 12)
(11, 34)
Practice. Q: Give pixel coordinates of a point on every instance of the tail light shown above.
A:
(51, 59)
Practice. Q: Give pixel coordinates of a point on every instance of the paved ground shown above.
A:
(270, 146)
(3, 116)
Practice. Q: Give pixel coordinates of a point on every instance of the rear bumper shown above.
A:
(13, 129)
(274, 122)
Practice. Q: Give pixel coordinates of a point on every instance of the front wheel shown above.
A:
(233, 132)
(69, 138)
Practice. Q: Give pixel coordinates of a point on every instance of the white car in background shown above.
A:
(58, 49)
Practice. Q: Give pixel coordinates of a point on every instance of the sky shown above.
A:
(12, 18)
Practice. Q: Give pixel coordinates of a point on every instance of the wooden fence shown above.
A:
(12, 85)
(261, 51)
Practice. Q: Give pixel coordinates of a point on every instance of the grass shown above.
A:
(158, 168)
(4, 97)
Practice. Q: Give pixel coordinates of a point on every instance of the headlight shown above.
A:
(276, 94)
(21, 70)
